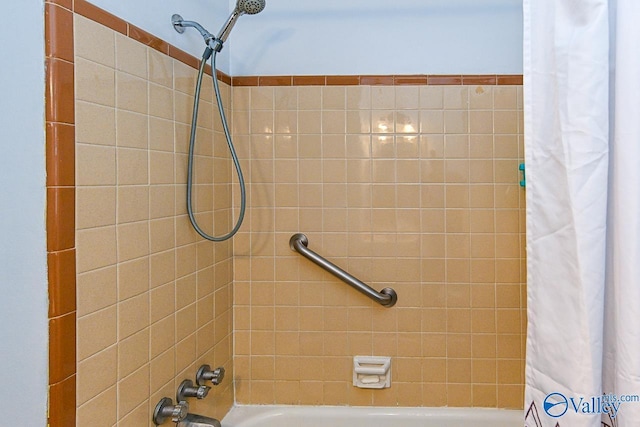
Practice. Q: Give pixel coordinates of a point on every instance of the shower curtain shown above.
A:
(582, 144)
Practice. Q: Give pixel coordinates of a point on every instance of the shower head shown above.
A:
(250, 7)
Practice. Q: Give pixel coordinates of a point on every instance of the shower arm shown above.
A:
(179, 24)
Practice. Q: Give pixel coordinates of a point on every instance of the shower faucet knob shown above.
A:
(205, 374)
(187, 389)
(165, 409)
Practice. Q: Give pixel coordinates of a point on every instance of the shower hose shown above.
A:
(192, 142)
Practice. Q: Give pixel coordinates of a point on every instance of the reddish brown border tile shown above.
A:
(245, 81)
(61, 149)
(60, 95)
(62, 347)
(58, 24)
(148, 39)
(343, 80)
(390, 80)
(62, 403)
(184, 57)
(225, 78)
(479, 80)
(207, 69)
(60, 167)
(377, 80)
(61, 225)
(444, 80)
(275, 81)
(101, 16)
(506, 80)
(62, 282)
(410, 80)
(309, 80)
(64, 3)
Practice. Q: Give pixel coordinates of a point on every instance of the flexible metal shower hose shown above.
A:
(192, 142)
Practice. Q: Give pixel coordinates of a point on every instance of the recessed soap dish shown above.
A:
(371, 372)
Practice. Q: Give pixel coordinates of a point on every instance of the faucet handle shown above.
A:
(165, 409)
(205, 374)
(187, 389)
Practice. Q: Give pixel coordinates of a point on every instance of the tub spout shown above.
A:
(195, 420)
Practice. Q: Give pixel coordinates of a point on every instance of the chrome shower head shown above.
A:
(250, 7)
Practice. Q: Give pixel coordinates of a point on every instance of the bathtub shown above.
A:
(342, 416)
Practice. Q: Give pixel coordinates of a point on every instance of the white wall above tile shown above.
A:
(380, 37)
(305, 37)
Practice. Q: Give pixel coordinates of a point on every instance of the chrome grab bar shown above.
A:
(386, 297)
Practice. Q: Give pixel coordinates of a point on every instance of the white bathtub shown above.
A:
(342, 416)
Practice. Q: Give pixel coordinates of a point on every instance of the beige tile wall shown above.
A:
(414, 187)
(154, 300)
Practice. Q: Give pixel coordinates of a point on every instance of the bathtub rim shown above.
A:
(240, 413)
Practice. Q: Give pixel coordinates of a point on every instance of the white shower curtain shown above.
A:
(582, 139)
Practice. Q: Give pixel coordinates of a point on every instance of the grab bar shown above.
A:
(386, 297)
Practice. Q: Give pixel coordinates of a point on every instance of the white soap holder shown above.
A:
(371, 372)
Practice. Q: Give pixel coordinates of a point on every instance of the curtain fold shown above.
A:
(622, 319)
(582, 143)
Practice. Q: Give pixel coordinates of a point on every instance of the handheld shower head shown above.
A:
(250, 7)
